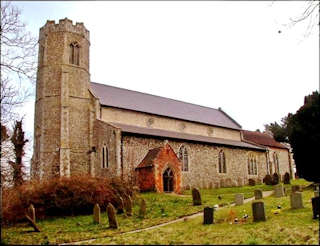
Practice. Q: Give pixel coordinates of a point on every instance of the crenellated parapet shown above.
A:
(64, 25)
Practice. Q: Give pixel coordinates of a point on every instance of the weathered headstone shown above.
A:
(143, 208)
(275, 179)
(296, 200)
(113, 223)
(295, 188)
(286, 178)
(258, 194)
(127, 204)
(196, 197)
(239, 199)
(252, 182)
(258, 211)
(208, 217)
(32, 212)
(96, 214)
(315, 207)
(279, 191)
(120, 208)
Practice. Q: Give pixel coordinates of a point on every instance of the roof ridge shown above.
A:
(163, 97)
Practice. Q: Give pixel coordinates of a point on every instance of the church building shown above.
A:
(157, 143)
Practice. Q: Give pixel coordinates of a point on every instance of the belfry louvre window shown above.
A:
(104, 159)
(183, 157)
(74, 53)
(222, 162)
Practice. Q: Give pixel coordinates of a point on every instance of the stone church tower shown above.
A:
(63, 107)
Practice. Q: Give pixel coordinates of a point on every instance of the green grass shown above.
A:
(288, 227)
(160, 208)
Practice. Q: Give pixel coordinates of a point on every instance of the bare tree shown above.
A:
(18, 61)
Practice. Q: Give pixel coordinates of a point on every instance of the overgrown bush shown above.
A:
(61, 197)
(286, 178)
(275, 179)
(267, 179)
(252, 182)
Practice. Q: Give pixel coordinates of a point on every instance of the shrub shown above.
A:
(275, 179)
(252, 182)
(286, 178)
(61, 196)
(268, 180)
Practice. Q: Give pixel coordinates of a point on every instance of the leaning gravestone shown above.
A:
(143, 208)
(296, 200)
(196, 197)
(96, 214)
(120, 207)
(258, 211)
(239, 199)
(127, 204)
(315, 207)
(278, 191)
(258, 194)
(208, 217)
(295, 188)
(32, 213)
(113, 223)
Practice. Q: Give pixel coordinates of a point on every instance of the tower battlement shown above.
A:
(64, 25)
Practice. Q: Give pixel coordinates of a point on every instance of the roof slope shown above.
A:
(262, 139)
(142, 102)
(149, 158)
(184, 136)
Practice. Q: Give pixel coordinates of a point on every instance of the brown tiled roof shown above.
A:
(142, 102)
(261, 139)
(184, 136)
(149, 158)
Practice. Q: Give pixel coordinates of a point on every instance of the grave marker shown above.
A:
(196, 197)
(258, 211)
(32, 213)
(208, 217)
(239, 199)
(279, 191)
(96, 214)
(113, 223)
(296, 200)
(258, 194)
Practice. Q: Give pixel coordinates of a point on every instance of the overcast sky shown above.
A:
(225, 54)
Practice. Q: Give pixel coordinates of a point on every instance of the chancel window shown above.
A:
(104, 159)
(74, 53)
(183, 157)
(252, 165)
(276, 162)
(222, 162)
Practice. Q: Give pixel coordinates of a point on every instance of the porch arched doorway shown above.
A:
(167, 178)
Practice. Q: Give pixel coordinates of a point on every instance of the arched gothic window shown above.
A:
(104, 159)
(74, 53)
(276, 162)
(252, 165)
(183, 157)
(222, 162)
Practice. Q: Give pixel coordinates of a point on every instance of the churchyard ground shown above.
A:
(288, 227)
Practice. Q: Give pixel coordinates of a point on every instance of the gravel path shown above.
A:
(265, 194)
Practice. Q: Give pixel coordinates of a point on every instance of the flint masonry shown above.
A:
(83, 127)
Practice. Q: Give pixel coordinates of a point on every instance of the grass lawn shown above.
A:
(160, 208)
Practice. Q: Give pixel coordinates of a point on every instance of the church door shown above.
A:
(168, 180)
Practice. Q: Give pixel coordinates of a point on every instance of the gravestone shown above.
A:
(316, 193)
(143, 208)
(208, 217)
(296, 200)
(252, 182)
(315, 207)
(295, 188)
(196, 197)
(127, 204)
(275, 179)
(96, 214)
(113, 223)
(258, 211)
(120, 208)
(278, 191)
(286, 178)
(32, 212)
(239, 199)
(258, 194)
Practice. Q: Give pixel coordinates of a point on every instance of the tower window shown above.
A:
(74, 53)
